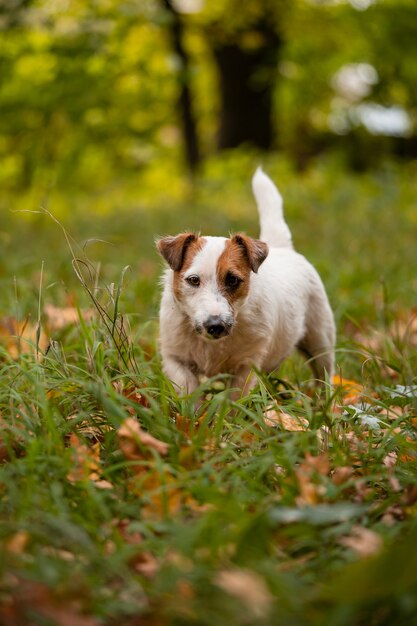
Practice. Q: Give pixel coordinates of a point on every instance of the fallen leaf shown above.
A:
(132, 393)
(146, 564)
(86, 461)
(363, 541)
(308, 474)
(135, 443)
(22, 337)
(31, 598)
(341, 475)
(18, 542)
(351, 391)
(160, 493)
(404, 327)
(275, 417)
(93, 427)
(319, 464)
(58, 318)
(390, 460)
(249, 588)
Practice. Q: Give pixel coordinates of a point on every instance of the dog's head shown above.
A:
(212, 277)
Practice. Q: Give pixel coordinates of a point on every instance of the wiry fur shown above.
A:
(279, 304)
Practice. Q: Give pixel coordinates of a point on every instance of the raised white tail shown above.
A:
(274, 229)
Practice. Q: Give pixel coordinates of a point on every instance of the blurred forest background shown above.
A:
(91, 90)
(159, 110)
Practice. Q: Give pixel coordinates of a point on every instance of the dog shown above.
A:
(235, 305)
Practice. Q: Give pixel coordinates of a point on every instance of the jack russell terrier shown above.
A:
(233, 304)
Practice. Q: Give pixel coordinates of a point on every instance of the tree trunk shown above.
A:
(185, 105)
(247, 79)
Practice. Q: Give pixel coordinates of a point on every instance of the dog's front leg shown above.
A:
(243, 381)
(180, 375)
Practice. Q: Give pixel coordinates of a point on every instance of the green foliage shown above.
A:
(88, 90)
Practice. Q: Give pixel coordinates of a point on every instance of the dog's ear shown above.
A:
(173, 249)
(254, 250)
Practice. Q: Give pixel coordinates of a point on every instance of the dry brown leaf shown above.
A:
(187, 426)
(132, 393)
(405, 327)
(308, 472)
(86, 461)
(363, 541)
(162, 495)
(319, 463)
(21, 337)
(185, 590)
(29, 598)
(136, 443)
(146, 564)
(248, 587)
(18, 542)
(390, 460)
(188, 457)
(275, 417)
(93, 427)
(58, 317)
(103, 484)
(392, 515)
(341, 475)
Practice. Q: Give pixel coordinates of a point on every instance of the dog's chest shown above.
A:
(224, 356)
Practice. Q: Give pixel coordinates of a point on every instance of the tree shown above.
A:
(185, 103)
(246, 83)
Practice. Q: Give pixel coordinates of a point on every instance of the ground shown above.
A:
(122, 504)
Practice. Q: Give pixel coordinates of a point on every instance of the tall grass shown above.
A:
(284, 507)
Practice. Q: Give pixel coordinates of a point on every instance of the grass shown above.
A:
(304, 516)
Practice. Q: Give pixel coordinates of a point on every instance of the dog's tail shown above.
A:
(274, 229)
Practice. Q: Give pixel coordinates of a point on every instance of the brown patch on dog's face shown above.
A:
(241, 255)
(179, 252)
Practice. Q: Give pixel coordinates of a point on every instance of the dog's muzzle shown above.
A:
(215, 327)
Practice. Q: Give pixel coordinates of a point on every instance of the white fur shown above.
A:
(286, 307)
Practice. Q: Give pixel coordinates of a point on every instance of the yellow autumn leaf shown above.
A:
(351, 390)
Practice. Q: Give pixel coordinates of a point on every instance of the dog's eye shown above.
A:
(232, 281)
(193, 280)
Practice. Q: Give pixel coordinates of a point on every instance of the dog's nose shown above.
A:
(215, 327)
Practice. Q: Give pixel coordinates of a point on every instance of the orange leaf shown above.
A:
(135, 443)
(132, 393)
(18, 542)
(351, 390)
